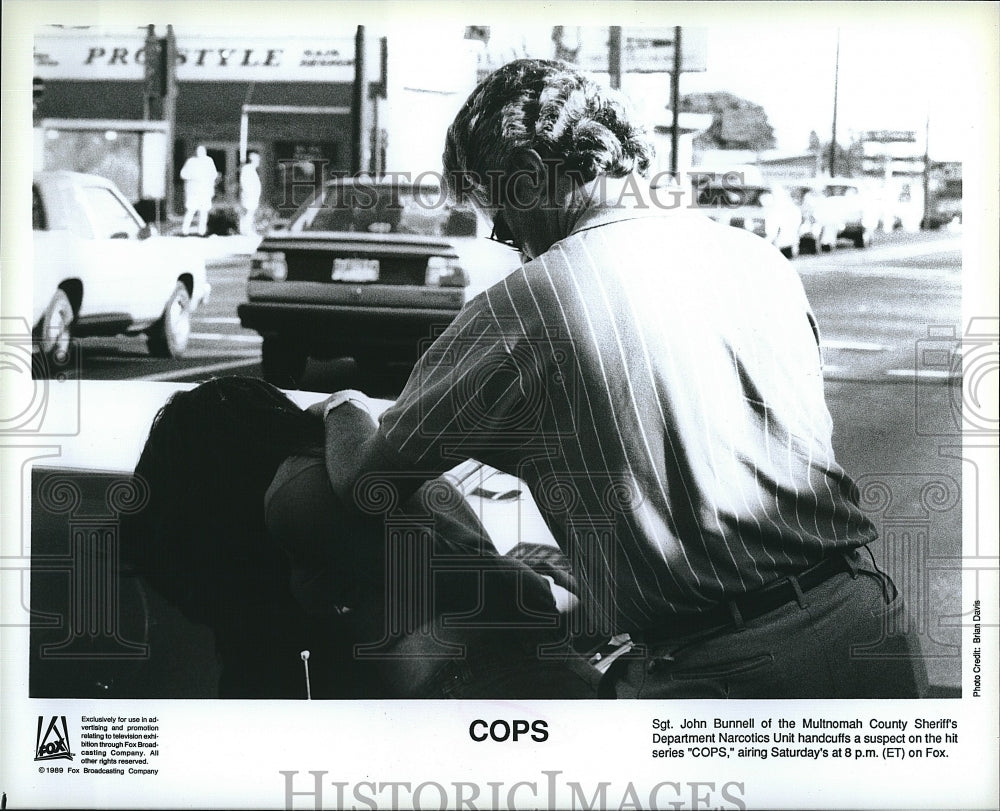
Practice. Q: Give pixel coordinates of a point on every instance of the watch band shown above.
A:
(348, 395)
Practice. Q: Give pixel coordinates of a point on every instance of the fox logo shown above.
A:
(54, 744)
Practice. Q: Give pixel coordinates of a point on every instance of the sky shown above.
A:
(888, 78)
(893, 74)
(901, 64)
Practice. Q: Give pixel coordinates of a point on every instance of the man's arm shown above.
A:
(456, 405)
(350, 428)
(354, 453)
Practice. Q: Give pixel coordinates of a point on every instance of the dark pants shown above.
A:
(847, 639)
(519, 671)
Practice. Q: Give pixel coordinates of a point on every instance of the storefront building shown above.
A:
(294, 100)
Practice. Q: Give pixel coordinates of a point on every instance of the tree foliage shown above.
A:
(737, 123)
(849, 160)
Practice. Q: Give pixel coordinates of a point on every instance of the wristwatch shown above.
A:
(347, 395)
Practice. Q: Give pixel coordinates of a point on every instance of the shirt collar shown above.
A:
(610, 214)
(605, 212)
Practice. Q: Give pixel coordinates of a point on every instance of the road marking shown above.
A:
(197, 370)
(854, 346)
(218, 336)
(885, 253)
(910, 250)
(212, 352)
(218, 319)
(930, 374)
(876, 270)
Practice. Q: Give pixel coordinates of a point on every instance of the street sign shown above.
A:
(888, 136)
(643, 50)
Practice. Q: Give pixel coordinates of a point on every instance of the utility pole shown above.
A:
(675, 103)
(833, 134)
(358, 103)
(152, 85)
(615, 56)
(159, 100)
(169, 56)
(927, 172)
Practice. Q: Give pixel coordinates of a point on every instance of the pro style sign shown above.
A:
(99, 56)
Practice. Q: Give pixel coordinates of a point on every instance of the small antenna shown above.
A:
(305, 664)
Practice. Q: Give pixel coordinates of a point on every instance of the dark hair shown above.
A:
(210, 456)
(551, 107)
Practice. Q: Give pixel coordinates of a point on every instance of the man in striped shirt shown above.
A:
(655, 379)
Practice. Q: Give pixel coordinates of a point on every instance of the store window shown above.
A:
(112, 154)
(300, 168)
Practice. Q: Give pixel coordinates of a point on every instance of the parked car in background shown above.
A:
(367, 269)
(944, 205)
(764, 208)
(99, 269)
(902, 204)
(855, 207)
(820, 223)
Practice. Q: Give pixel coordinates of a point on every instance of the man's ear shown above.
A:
(525, 178)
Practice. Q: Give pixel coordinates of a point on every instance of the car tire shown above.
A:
(168, 337)
(283, 363)
(809, 245)
(863, 238)
(55, 334)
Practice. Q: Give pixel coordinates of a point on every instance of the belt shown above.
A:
(735, 611)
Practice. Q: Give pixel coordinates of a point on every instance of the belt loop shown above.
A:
(887, 582)
(800, 598)
(734, 611)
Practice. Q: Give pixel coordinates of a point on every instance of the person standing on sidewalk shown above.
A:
(199, 175)
(249, 193)
(655, 378)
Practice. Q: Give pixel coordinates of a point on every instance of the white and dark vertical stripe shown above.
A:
(693, 375)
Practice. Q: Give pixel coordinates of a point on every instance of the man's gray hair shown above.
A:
(550, 107)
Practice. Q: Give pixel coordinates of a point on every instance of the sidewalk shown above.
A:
(218, 249)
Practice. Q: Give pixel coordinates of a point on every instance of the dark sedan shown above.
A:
(369, 270)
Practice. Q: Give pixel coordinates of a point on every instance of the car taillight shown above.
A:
(444, 272)
(268, 265)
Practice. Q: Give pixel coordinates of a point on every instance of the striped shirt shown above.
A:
(655, 379)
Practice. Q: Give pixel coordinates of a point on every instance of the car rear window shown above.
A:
(799, 193)
(840, 191)
(730, 196)
(357, 208)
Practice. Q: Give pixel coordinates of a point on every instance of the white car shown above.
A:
(763, 208)
(99, 269)
(820, 222)
(852, 204)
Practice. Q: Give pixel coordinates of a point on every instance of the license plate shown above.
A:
(355, 270)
